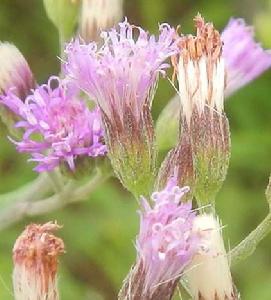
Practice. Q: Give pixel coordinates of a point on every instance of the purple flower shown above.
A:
(58, 126)
(244, 58)
(123, 72)
(165, 243)
(121, 78)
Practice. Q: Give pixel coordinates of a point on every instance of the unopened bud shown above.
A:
(208, 275)
(98, 15)
(35, 257)
(15, 77)
(63, 14)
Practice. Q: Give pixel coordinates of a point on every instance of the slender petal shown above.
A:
(124, 71)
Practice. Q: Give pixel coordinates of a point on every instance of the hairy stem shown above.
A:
(56, 180)
(249, 244)
(70, 193)
(30, 191)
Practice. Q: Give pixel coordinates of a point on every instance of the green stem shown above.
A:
(70, 193)
(62, 41)
(30, 191)
(56, 180)
(249, 244)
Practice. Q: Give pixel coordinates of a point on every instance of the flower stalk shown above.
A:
(64, 15)
(250, 243)
(247, 246)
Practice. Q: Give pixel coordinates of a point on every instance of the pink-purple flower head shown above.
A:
(58, 126)
(123, 72)
(121, 77)
(165, 243)
(244, 58)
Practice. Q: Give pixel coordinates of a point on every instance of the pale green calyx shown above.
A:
(210, 154)
(64, 15)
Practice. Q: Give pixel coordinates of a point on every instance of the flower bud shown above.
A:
(208, 275)
(15, 77)
(63, 14)
(97, 15)
(35, 257)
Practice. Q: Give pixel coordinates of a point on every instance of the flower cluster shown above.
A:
(120, 75)
(58, 126)
(244, 58)
(165, 243)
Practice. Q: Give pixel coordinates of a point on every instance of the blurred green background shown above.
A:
(99, 233)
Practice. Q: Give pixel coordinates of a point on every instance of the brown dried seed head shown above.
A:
(206, 42)
(36, 250)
